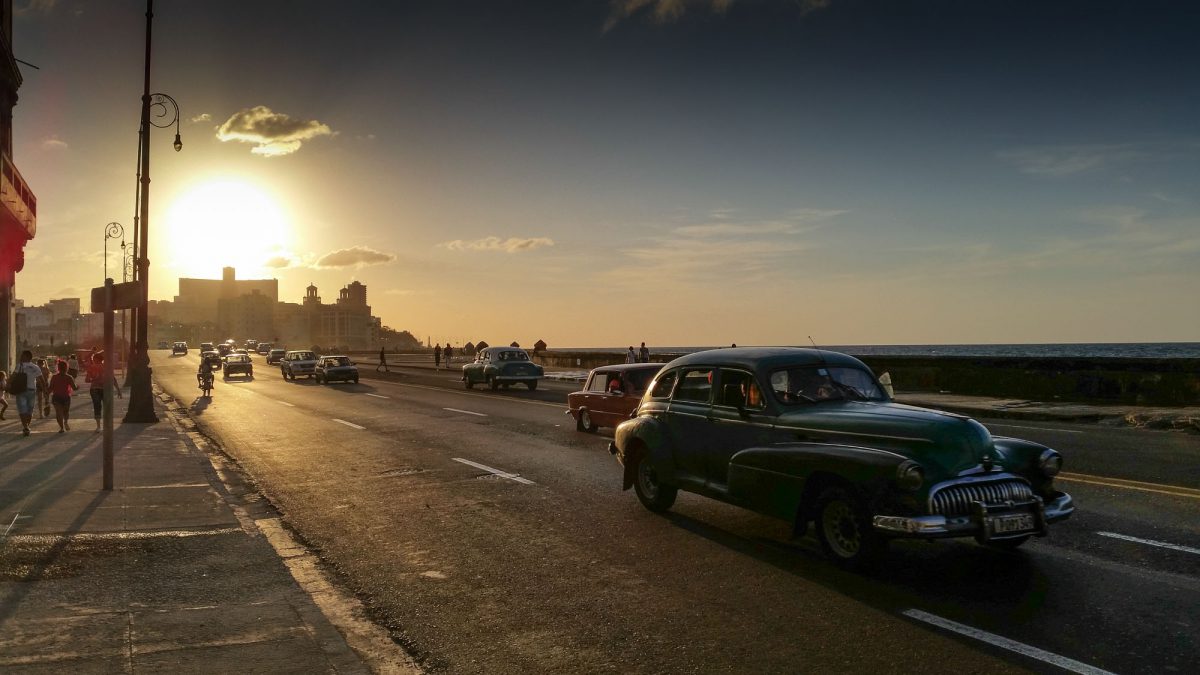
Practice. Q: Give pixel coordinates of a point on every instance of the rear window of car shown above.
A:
(640, 379)
(338, 361)
(512, 356)
(695, 386)
(238, 358)
(599, 382)
(303, 356)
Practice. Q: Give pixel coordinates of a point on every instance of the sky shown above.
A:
(601, 173)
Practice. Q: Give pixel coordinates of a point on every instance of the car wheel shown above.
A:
(1007, 544)
(493, 383)
(532, 384)
(585, 423)
(468, 383)
(355, 380)
(844, 529)
(651, 493)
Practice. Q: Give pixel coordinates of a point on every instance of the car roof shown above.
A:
(767, 358)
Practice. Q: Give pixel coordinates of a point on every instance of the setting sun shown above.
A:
(226, 222)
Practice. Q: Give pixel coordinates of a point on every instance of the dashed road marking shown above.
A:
(290, 405)
(349, 424)
(377, 395)
(1018, 426)
(1005, 643)
(1151, 542)
(1158, 488)
(465, 412)
(498, 472)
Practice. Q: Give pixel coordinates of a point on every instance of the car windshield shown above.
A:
(303, 356)
(812, 384)
(512, 356)
(338, 361)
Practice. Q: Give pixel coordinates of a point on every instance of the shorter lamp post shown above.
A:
(112, 231)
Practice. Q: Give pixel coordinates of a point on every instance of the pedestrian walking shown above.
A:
(73, 368)
(3, 393)
(449, 354)
(24, 384)
(382, 360)
(630, 356)
(43, 389)
(95, 375)
(644, 354)
(437, 356)
(61, 387)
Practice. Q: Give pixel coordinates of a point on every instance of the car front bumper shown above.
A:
(976, 524)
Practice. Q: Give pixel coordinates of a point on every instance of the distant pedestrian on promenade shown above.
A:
(95, 375)
(3, 393)
(630, 356)
(27, 396)
(449, 354)
(437, 356)
(382, 360)
(644, 354)
(61, 387)
(43, 388)
(73, 367)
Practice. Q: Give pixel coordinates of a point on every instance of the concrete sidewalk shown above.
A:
(167, 572)
(1185, 419)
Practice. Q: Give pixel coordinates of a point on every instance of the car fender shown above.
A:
(775, 479)
(644, 434)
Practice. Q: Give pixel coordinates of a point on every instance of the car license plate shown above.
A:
(1020, 522)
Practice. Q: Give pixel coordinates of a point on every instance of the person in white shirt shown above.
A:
(27, 399)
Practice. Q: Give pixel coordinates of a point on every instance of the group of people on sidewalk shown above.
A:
(439, 353)
(33, 386)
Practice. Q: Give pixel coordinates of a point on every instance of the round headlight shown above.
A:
(910, 475)
(1050, 463)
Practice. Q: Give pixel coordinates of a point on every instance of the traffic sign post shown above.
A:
(109, 298)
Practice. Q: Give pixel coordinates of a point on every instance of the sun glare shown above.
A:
(226, 223)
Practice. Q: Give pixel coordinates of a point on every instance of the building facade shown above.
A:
(18, 210)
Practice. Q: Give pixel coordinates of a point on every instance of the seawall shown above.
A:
(1162, 382)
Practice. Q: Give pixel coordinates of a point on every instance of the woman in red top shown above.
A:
(61, 386)
(95, 375)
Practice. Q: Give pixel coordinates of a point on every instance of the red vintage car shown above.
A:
(610, 395)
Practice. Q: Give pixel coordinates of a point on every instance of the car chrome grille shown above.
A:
(956, 500)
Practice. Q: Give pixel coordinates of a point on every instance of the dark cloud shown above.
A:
(357, 256)
(667, 11)
(273, 134)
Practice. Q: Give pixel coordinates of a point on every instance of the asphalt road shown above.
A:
(492, 537)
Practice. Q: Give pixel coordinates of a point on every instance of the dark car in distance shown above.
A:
(610, 395)
(335, 369)
(810, 436)
(237, 364)
(500, 367)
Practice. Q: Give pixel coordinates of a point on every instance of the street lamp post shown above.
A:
(141, 399)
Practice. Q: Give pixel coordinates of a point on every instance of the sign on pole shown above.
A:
(127, 295)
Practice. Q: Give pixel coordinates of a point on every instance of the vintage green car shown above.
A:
(500, 367)
(810, 436)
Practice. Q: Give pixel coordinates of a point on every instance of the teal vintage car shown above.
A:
(500, 367)
(810, 436)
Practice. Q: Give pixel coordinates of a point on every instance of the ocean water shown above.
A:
(1135, 350)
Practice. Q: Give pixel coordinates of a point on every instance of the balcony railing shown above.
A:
(20, 204)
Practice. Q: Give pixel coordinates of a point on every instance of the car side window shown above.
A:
(738, 389)
(598, 383)
(695, 386)
(664, 384)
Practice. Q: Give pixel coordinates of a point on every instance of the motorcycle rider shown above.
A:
(204, 372)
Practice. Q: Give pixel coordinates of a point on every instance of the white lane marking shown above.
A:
(1018, 426)
(1151, 542)
(286, 403)
(1005, 643)
(377, 395)
(465, 412)
(498, 472)
(349, 424)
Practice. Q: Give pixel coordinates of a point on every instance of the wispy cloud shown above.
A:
(33, 6)
(202, 117)
(510, 245)
(668, 11)
(797, 222)
(273, 134)
(1068, 160)
(54, 143)
(357, 256)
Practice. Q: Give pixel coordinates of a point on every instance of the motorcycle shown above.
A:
(206, 383)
